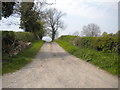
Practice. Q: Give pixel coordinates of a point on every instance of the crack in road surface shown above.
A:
(53, 67)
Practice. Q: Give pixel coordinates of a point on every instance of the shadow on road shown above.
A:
(48, 55)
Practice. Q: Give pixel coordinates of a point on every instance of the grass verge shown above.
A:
(106, 61)
(24, 57)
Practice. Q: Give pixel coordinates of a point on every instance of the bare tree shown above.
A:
(91, 30)
(53, 21)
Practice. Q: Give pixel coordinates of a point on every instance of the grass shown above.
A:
(106, 61)
(12, 64)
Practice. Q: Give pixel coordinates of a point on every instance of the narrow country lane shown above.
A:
(53, 67)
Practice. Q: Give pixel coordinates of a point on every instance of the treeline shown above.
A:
(109, 44)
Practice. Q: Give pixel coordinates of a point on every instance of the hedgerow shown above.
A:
(107, 44)
(94, 50)
(25, 36)
(10, 39)
(16, 52)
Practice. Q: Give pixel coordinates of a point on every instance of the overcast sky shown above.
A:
(104, 13)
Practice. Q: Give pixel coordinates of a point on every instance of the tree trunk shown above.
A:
(53, 35)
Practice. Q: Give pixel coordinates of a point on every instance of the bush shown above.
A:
(24, 36)
(10, 39)
(105, 44)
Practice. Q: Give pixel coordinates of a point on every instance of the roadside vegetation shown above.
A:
(95, 50)
(19, 48)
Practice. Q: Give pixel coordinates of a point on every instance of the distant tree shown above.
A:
(91, 30)
(53, 21)
(76, 33)
(104, 34)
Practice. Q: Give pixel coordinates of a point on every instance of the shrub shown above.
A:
(10, 39)
(24, 36)
(105, 44)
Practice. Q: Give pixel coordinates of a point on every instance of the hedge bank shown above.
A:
(107, 44)
(83, 49)
(10, 39)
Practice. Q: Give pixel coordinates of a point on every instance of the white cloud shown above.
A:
(102, 12)
(87, 8)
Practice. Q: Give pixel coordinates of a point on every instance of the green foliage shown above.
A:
(7, 8)
(24, 36)
(17, 62)
(104, 34)
(30, 20)
(105, 44)
(39, 29)
(71, 38)
(10, 38)
(26, 16)
(106, 61)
